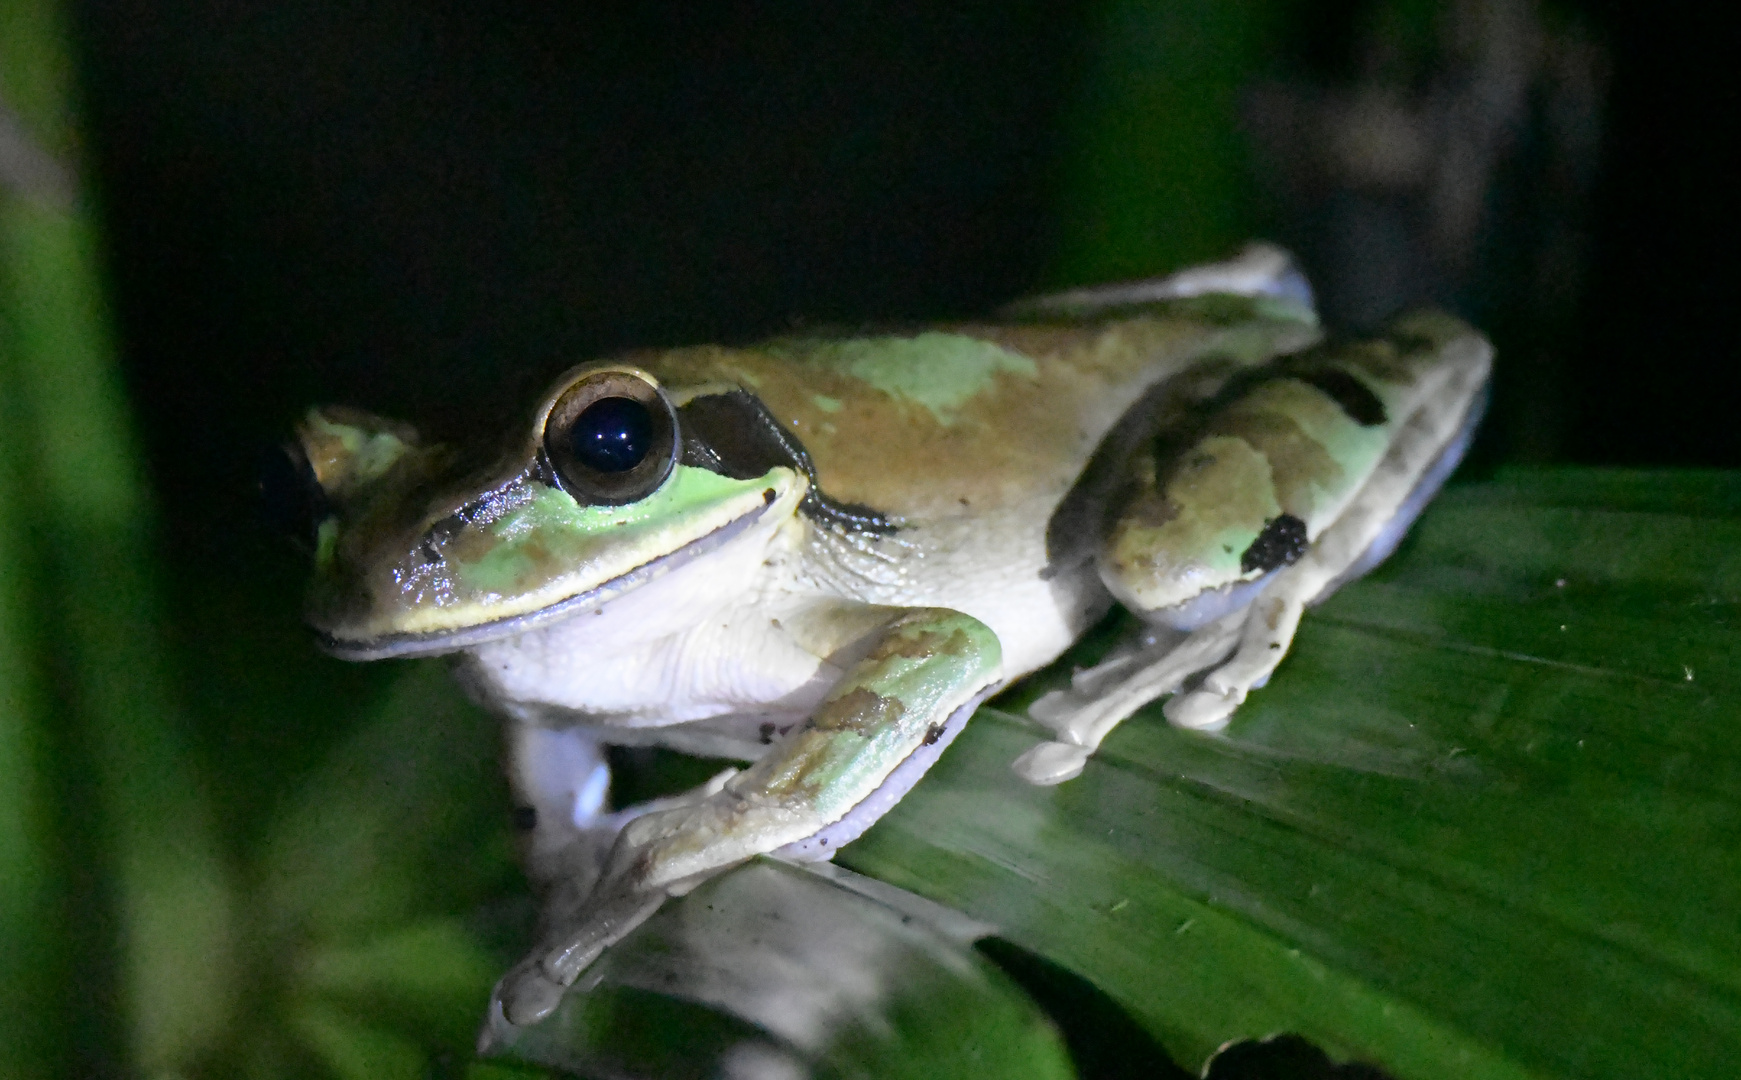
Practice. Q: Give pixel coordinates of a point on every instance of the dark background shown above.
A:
(426, 209)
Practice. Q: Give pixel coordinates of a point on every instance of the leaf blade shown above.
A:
(1503, 810)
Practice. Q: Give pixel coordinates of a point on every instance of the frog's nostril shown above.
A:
(291, 499)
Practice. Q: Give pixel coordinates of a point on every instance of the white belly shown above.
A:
(759, 630)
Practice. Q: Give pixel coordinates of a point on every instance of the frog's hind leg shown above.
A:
(1421, 456)
(1240, 632)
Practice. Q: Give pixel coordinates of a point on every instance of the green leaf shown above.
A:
(117, 879)
(1484, 822)
(375, 947)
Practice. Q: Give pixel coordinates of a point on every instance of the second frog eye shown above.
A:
(611, 437)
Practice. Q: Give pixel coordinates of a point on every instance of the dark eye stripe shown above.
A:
(733, 434)
(1355, 397)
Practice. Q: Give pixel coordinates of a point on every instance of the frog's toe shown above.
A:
(1054, 708)
(533, 989)
(1203, 710)
(527, 995)
(1051, 763)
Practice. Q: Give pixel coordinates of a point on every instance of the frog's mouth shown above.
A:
(405, 644)
(416, 553)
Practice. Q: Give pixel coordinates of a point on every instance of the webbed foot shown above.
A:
(533, 988)
(1103, 697)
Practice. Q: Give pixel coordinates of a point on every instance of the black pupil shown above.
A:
(612, 435)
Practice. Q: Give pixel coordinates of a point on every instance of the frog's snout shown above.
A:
(337, 454)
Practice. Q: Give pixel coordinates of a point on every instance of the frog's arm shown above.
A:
(819, 787)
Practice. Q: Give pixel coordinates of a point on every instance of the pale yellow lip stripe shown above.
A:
(709, 510)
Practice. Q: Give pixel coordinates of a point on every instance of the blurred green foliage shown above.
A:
(95, 702)
(1156, 170)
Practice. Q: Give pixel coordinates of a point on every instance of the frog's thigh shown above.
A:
(819, 786)
(1413, 460)
(1255, 622)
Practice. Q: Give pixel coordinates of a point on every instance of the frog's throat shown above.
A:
(436, 642)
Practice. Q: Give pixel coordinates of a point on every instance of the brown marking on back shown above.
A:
(921, 646)
(1381, 360)
(1356, 398)
(1298, 462)
(860, 710)
(1149, 509)
(1019, 437)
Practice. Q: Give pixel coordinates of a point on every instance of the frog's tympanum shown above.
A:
(817, 555)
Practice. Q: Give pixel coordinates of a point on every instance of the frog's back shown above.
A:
(970, 420)
(976, 442)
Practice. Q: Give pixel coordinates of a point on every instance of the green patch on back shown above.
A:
(940, 372)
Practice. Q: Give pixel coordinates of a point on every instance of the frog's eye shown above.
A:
(611, 437)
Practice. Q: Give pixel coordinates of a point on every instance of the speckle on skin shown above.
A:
(1281, 543)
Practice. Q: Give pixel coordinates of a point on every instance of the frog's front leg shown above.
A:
(1306, 480)
(560, 783)
(824, 783)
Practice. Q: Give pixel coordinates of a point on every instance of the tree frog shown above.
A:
(819, 554)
